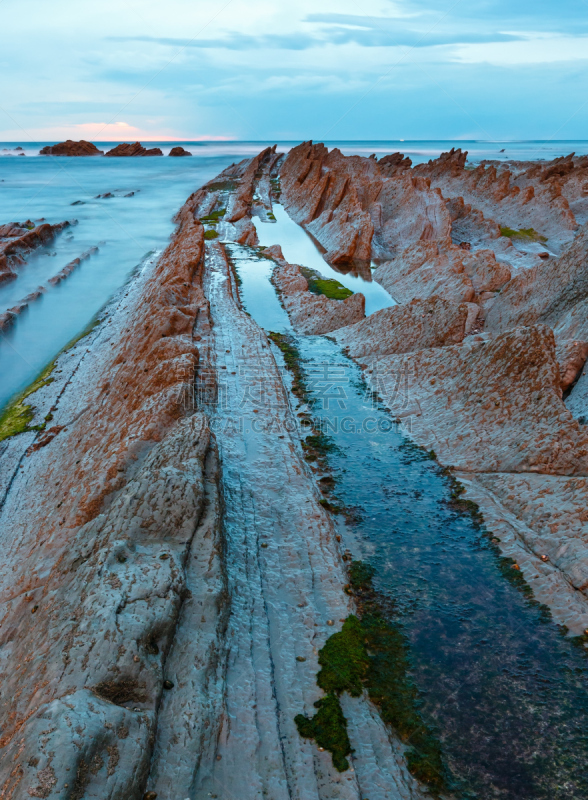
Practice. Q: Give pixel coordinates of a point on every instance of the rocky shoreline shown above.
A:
(170, 573)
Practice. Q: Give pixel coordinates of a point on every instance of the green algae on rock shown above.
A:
(371, 653)
(524, 233)
(17, 415)
(329, 287)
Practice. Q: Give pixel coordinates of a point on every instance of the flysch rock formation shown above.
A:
(8, 318)
(169, 574)
(511, 398)
(70, 148)
(520, 201)
(353, 209)
(309, 313)
(129, 150)
(417, 325)
(18, 239)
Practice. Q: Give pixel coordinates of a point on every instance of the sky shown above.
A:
(311, 69)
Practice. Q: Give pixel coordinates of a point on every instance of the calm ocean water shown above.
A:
(127, 228)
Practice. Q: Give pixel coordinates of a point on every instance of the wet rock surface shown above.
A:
(311, 313)
(18, 239)
(151, 646)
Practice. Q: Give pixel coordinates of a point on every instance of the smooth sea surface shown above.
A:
(128, 228)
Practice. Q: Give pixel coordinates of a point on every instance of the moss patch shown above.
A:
(292, 358)
(213, 217)
(210, 235)
(524, 233)
(329, 287)
(372, 653)
(344, 660)
(226, 185)
(328, 728)
(344, 663)
(17, 415)
(389, 683)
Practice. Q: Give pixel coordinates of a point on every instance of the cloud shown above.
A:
(233, 41)
(370, 32)
(545, 50)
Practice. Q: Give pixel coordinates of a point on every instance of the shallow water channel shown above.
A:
(501, 686)
(299, 248)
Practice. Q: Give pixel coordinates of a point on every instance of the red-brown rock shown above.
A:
(70, 148)
(400, 329)
(132, 150)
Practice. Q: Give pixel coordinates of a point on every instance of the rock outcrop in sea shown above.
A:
(18, 239)
(70, 148)
(131, 150)
(179, 151)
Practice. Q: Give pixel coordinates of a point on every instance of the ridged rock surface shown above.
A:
(16, 240)
(97, 519)
(310, 313)
(169, 574)
(441, 269)
(513, 201)
(554, 292)
(488, 405)
(136, 149)
(401, 329)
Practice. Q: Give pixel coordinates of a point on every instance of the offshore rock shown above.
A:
(133, 150)
(18, 239)
(179, 151)
(70, 148)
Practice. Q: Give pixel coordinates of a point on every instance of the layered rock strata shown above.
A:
(485, 239)
(131, 150)
(354, 209)
(515, 201)
(169, 574)
(310, 313)
(8, 318)
(403, 328)
(18, 239)
(119, 479)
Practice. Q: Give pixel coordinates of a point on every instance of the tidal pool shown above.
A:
(299, 248)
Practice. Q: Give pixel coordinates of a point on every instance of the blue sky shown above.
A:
(320, 69)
